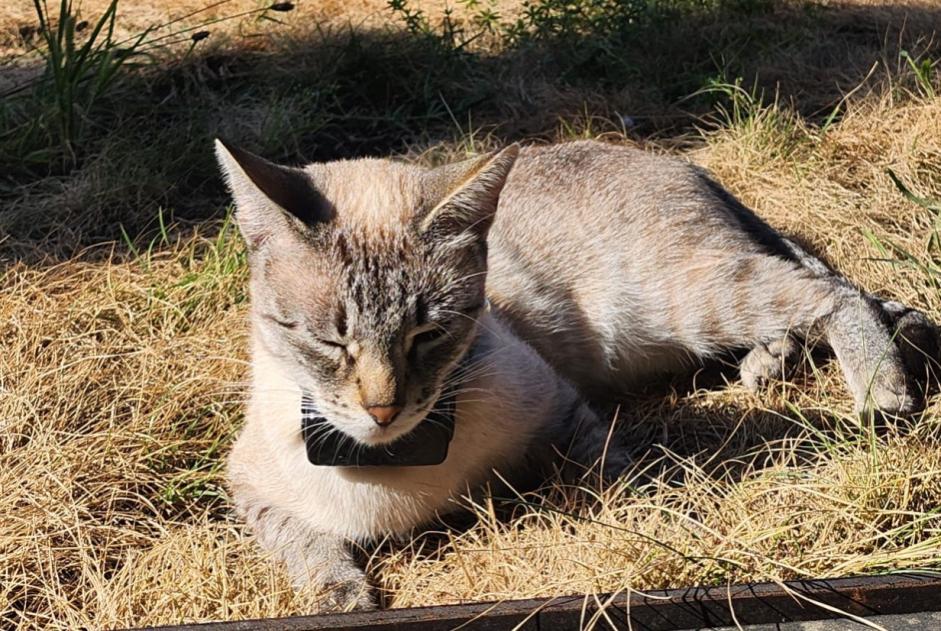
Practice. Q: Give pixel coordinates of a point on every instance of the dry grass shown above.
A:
(121, 367)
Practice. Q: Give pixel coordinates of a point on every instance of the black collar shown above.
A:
(427, 444)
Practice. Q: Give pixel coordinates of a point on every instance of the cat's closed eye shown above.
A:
(429, 336)
(332, 344)
(283, 322)
(293, 325)
(425, 336)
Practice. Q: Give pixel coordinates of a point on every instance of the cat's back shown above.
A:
(587, 247)
(600, 192)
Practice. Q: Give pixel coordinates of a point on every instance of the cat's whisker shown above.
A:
(450, 396)
(488, 367)
(481, 372)
(487, 361)
(458, 281)
(464, 402)
(474, 320)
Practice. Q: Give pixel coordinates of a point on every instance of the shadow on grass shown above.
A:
(341, 92)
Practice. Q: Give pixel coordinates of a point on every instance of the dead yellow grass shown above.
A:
(19, 18)
(120, 392)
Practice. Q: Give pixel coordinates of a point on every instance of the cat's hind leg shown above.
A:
(911, 332)
(918, 339)
(594, 446)
(774, 360)
(760, 299)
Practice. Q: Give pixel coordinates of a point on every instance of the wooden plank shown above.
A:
(655, 610)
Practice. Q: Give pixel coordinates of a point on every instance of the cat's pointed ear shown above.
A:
(465, 195)
(268, 197)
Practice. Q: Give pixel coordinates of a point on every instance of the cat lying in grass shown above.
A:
(415, 330)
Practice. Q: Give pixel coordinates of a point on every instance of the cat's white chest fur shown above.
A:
(269, 462)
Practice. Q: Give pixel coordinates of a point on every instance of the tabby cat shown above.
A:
(500, 293)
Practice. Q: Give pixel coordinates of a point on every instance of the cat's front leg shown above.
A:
(317, 561)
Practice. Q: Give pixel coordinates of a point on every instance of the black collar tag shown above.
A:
(425, 445)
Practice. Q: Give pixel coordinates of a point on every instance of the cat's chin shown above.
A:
(376, 435)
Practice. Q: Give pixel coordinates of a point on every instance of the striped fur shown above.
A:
(640, 265)
(605, 266)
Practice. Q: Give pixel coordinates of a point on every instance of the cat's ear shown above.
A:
(269, 197)
(465, 194)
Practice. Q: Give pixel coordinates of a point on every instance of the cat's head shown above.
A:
(367, 277)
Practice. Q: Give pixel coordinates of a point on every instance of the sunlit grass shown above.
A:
(123, 328)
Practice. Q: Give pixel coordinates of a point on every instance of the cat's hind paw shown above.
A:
(595, 449)
(769, 362)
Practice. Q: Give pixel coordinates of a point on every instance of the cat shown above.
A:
(517, 288)
(367, 296)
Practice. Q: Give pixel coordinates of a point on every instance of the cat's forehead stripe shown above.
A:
(381, 274)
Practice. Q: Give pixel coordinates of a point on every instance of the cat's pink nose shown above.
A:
(383, 414)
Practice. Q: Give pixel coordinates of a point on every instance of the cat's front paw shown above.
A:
(348, 596)
(595, 448)
(341, 587)
(615, 463)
